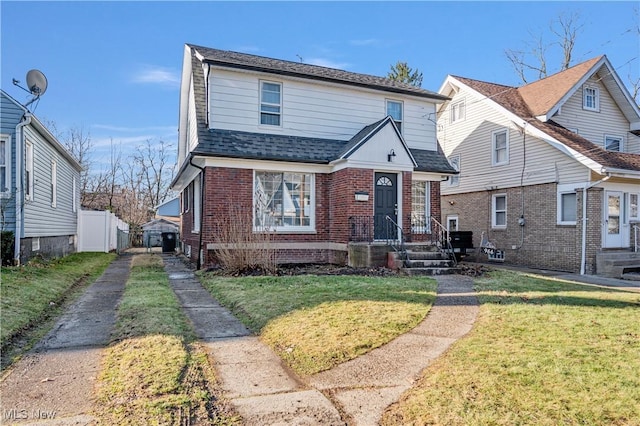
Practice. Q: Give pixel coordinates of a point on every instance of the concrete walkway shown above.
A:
(265, 391)
(54, 382)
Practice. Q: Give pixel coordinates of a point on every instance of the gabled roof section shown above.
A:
(509, 101)
(545, 94)
(229, 59)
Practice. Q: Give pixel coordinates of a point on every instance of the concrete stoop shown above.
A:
(425, 260)
(623, 264)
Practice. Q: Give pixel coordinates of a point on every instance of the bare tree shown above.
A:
(156, 170)
(534, 57)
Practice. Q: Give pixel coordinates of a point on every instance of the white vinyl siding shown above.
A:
(28, 172)
(500, 147)
(74, 201)
(394, 109)
(499, 211)
(314, 109)
(5, 165)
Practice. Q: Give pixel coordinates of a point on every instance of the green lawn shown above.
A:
(316, 322)
(542, 352)
(33, 293)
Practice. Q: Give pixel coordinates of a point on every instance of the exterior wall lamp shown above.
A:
(391, 155)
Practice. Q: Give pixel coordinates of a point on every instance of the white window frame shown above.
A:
(620, 143)
(28, 155)
(398, 122)
(197, 208)
(565, 190)
(35, 244)
(596, 100)
(635, 217)
(495, 211)
(494, 148)
(458, 111)
(427, 205)
(288, 229)
(6, 192)
(454, 161)
(270, 104)
(54, 183)
(452, 219)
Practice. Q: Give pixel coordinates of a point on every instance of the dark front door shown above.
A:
(386, 204)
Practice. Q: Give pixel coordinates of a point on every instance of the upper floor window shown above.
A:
(28, 171)
(283, 201)
(613, 143)
(270, 103)
(590, 98)
(499, 211)
(458, 111)
(454, 180)
(500, 147)
(5, 163)
(394, 109)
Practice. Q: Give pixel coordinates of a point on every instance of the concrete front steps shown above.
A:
(623, 264)
(424, 259)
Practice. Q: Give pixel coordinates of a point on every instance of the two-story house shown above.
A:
(39, 185)
(550, 171)
(319, 157)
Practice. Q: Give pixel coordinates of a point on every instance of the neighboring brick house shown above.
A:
(526, 156)
(319, 156)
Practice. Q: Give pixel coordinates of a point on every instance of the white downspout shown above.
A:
(19, 179)
(583, 259)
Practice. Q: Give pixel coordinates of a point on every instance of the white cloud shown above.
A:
(157, 75)
(327, 63)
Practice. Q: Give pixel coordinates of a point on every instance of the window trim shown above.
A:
(54, 183)
(494, 211)
(279, 113)
(620, 144)
(28, 158)
(635, 218)
(565, 190)
(454, 180)
(455, 106)
(197, 208)
(400, 126)
(288, 229)
(596, 100)
(494, 151)
(6, 192)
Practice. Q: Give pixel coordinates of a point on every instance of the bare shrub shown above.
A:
(240, 248)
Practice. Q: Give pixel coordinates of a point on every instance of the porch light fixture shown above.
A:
(391, 155)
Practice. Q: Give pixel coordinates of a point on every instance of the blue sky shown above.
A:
(114, 67)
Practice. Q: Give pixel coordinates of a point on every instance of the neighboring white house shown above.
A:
(527, 156)
(40, 185)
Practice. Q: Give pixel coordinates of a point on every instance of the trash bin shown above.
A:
(168, 242)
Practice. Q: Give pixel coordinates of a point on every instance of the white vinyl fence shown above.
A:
(101, 231)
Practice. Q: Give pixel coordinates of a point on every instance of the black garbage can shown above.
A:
(168, 242)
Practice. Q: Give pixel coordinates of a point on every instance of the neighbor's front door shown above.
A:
(386, 204)
(613, 220)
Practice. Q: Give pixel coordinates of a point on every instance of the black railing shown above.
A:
(361, 228)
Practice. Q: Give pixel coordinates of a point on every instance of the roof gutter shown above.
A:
(583, 259)
(26, 120)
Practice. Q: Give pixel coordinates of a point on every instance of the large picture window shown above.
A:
(420, 207)
(283, 200)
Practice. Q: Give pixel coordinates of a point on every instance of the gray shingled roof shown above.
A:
(431, 161)
(231, 59)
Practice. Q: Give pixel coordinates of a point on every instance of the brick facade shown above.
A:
(228, 192)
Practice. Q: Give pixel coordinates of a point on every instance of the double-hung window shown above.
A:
(500, 147)
(613, 143)
(420, 207)
(283, 201)
(28, 171)
(5, 164)
(590, 98)
(270, 103)
(394, 109)
(499, 211)
(458, 111)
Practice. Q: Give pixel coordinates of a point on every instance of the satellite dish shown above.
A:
(36, 82)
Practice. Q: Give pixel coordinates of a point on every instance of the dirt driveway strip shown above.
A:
(54, 382)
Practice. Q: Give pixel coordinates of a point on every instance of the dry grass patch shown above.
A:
(542, 352)
(317, 322)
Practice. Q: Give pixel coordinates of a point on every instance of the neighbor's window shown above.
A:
(590, 99)
(28, 171)
(394, 109)
(634, 210)
(283, 200)
(54, 182)
(500, 150)
(613, 143)
(458, 111)
(420, 207)
(5, 163)
(567, 208)
(455, 163)
(499, 211)
(270, 103)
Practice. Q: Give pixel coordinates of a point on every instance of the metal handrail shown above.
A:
(443, 238)
(401, 250)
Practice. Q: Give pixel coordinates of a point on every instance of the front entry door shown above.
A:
(613, 220)
(386, 204)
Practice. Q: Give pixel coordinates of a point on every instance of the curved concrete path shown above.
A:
(265, 391)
